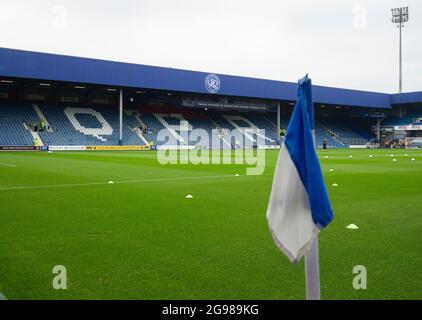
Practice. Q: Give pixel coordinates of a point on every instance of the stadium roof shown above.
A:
(408, 97)
(53, 67)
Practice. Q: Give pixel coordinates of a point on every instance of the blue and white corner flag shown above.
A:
(299, 206)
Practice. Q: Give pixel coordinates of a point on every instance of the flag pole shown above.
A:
(313, 291)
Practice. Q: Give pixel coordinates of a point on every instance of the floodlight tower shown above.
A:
(399, 17)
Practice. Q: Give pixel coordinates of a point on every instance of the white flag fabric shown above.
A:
(299, 206)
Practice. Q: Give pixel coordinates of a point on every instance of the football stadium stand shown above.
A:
(412, 118)
(98, 125)
(57, 100)
(341, 133)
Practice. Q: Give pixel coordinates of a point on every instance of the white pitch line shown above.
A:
(7, 165)
(2, 296)
(115, 182)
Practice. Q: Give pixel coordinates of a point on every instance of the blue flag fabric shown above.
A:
(299, 206)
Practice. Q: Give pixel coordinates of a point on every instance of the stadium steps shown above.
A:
(35, 135)
(265, 130)
(172, 131)
(207, 137)
(42, 117)
(137, 115)
(227, 129)
(140, 135)
(332, 134)
(232, 120)
(221, 134)
(153, 126)
(270, 122)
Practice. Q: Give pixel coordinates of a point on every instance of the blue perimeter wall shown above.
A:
(53, 67)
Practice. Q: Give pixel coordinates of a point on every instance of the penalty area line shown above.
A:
(120, 182)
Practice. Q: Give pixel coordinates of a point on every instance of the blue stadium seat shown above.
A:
(12, 119)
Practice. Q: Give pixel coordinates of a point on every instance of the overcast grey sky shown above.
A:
(345, 43)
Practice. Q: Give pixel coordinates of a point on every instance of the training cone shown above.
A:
(352, 226)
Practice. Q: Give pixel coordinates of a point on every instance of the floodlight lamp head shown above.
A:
(400, 15)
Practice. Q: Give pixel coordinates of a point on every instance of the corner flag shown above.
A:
(299, 206)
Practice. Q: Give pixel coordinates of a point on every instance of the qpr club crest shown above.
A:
(212, 83)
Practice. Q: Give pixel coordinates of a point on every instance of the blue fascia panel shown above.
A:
(53, 67)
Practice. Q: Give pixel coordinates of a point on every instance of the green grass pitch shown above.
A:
(139, 238)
